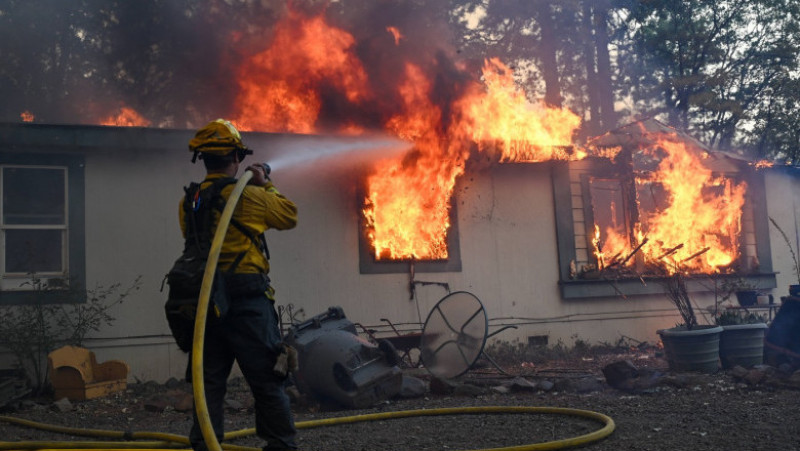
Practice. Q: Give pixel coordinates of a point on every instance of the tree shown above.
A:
(170, 60)
(776, 130)
(707, 65)
(560, 50)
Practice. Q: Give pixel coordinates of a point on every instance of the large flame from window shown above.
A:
(407, 205)
(689, 217)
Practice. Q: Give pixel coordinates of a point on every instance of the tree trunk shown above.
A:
(547, 54)
(594, 124)
(608, 117)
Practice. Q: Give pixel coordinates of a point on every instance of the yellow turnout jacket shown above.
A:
(259, 208)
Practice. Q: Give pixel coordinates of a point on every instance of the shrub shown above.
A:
(33, 330)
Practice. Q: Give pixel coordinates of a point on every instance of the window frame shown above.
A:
(61, 227)
(567, 210)
(74, 259)
(367, 264)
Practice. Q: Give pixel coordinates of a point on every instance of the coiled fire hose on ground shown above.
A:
(158, 440)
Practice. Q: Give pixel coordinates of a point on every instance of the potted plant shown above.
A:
(689, 346)
(742, 339)
(745, 292)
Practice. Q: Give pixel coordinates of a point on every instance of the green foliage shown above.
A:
(33, 330)
(715, 68)
(731, 318)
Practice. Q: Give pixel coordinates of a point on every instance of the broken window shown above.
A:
(370, 263)
(650, 211)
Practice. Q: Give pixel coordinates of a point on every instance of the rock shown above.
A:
(620, 373)
(647, 380)
(412, 387)
(185, 403)
(173, 383)
(678, 380)
(156, 404)
(546, 385)
(766, 369)
(520, 384)
(738, 372)
(62, 405)
(754, 376)
(468, 390)
(587, 384)
(794, 379)
(442, 386)
(179, 400)
(563, 384)
(501, 389)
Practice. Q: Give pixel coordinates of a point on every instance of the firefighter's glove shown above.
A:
(286, 362)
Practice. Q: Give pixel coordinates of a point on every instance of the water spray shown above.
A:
(337, 151)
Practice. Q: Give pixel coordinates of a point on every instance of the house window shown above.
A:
(34, 220)
(369, 264)
(41, 224)
(603, 211)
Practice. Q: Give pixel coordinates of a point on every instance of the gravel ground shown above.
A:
(702, 412)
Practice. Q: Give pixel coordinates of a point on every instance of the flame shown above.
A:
(395, 34)
(407, 208)
(762, 164)
(280, 87)
(598, 253)
(696, 227)
(125, 117)
(26, 116)
(408, 202)
(525, 131)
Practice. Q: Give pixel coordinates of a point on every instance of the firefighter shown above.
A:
(249, 331)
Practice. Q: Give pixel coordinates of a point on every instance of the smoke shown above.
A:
(82, 61)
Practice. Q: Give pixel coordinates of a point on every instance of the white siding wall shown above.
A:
(507, 242)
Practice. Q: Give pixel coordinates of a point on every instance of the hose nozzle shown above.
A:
(267, 170)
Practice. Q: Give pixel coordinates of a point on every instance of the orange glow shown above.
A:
(280, 87)
(696, 219)
(396, 34)
(763, 164)
(26, 116)
(408, 201)
(598, 249)
(125, 117)
(502, 115)
(407, 204)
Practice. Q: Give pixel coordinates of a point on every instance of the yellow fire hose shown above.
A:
(164, 440)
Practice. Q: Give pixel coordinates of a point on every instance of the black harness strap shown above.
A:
(201, 235)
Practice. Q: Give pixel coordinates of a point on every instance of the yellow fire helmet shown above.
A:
(218, 137)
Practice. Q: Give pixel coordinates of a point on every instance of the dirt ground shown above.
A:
(692, 412)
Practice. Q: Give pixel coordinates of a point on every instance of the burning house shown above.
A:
(414, 177)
